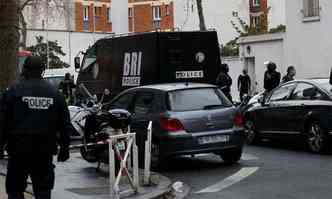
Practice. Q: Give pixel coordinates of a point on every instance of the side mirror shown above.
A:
(77, 61)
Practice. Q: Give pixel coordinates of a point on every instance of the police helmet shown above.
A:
(34, 64)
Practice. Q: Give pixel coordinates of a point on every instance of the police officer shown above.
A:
(34, 122)
(271, 77)
(68, 88)
(244, 84)
(291, 72)
(224, 81)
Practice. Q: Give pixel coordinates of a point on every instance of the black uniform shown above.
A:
(67, 87)
(244, 84)
(224, 81)
(35, 120)
(271, 80)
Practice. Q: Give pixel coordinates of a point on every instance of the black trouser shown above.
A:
(39, 168)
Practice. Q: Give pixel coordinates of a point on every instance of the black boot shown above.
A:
(43, 195)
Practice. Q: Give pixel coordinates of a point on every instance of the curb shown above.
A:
(163, 187)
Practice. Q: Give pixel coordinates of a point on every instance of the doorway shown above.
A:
(250, 67)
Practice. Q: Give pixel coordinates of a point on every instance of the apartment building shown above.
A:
(143, 15)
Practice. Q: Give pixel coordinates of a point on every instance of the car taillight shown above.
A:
(238, 120)
(171, 125)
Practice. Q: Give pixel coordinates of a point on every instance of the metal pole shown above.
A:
(147, 155)
(47, 45)
(94, 19)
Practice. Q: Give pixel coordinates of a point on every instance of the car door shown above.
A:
(274, 113)
(306, 98)
(146, 107)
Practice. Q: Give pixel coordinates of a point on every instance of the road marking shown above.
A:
(247, 156)
(231, 180)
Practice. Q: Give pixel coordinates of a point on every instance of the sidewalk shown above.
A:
(78, 179)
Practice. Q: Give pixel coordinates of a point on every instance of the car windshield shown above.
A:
(197, 99)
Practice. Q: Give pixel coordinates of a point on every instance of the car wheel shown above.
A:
(251, 133)
(231, 156)
(316, 138)
(89, 155)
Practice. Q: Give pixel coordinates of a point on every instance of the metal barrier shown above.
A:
(115, 146)
(128, 161)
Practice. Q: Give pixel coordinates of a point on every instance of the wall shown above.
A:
(308, 45)
(143, 16)
(269, 47)
(218, 14)
(71, 42)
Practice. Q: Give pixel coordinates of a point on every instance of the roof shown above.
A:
(261, 38)
(176, 86)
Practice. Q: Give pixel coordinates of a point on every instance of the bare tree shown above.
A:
(9, 40)
(202, 25)
(58, 5)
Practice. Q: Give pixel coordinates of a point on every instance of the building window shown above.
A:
(130, 12)
(311, 9)
(109, 15)
(167, 10)
(256, 3)
(86, 13)
(97, 11)
(156, 13)
(256, 22)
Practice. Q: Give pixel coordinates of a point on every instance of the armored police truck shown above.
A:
(124, 61)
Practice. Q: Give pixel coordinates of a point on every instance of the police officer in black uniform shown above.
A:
(271, 77)
(34, 122)
(224, 81)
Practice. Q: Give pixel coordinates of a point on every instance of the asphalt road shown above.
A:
(266, 171)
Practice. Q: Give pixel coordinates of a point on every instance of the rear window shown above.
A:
(197, 99)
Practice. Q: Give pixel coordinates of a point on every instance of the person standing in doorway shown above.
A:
(291, 72)
(271, 77)
(224, 81)
(34, 121)
(244, 84)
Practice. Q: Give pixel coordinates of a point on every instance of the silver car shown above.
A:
(188, 118)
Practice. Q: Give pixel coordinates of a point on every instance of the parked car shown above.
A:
(299, 109)
(188, 118)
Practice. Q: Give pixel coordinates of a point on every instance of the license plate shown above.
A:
(121, 146)
(213, 139)
(189, 74)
